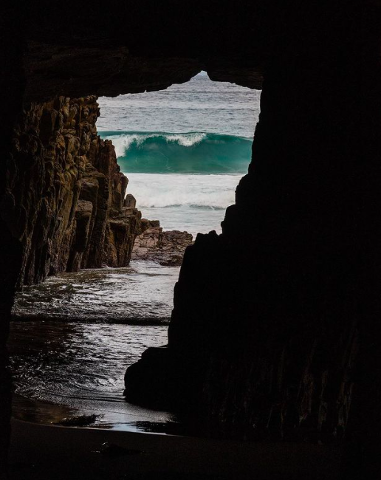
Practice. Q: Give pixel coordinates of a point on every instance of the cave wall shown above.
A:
(64, 196)
(263, 340)
(266, 339)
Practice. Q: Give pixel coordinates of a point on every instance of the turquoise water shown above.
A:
(185, 180)
(184, 153)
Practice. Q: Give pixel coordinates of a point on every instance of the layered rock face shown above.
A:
(64, 198)
(164, 247)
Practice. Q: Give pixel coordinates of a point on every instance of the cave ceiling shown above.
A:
(87, 48)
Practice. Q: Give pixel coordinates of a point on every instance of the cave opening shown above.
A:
(183, 151)
(280, 314)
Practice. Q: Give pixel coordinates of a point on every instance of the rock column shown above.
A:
(64, 198)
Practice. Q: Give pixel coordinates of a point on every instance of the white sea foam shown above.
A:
(167, 190)
(195, 203)
(186, 140)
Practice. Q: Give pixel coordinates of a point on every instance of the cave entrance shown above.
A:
(183, 150)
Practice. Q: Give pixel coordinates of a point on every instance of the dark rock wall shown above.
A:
(266, 336)
(64, 197)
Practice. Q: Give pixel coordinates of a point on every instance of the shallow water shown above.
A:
(73, 337)
(140, 293)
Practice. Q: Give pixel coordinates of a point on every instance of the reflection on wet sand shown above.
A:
(74, 365)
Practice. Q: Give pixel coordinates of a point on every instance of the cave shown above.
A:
(179, 175)
(274, 337)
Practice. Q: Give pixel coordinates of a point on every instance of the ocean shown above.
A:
(184, 150)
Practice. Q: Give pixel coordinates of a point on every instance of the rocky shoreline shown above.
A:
(164, 247)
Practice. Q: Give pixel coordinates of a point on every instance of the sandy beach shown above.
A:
(54, 453)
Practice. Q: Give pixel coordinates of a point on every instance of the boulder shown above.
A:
(164, 247)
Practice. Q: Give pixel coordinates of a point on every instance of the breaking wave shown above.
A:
(192, 153)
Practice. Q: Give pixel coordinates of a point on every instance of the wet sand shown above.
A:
(55, 453)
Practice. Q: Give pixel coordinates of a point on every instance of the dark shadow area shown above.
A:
(275, 329)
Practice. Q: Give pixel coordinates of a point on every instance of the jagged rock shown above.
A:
(67, 207)
(164, 247)
(83, 216)
(129, 201)
(120, 235)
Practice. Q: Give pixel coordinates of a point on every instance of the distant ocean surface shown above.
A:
(184, 150)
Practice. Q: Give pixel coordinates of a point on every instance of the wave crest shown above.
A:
(124, 141)
(193, 152)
